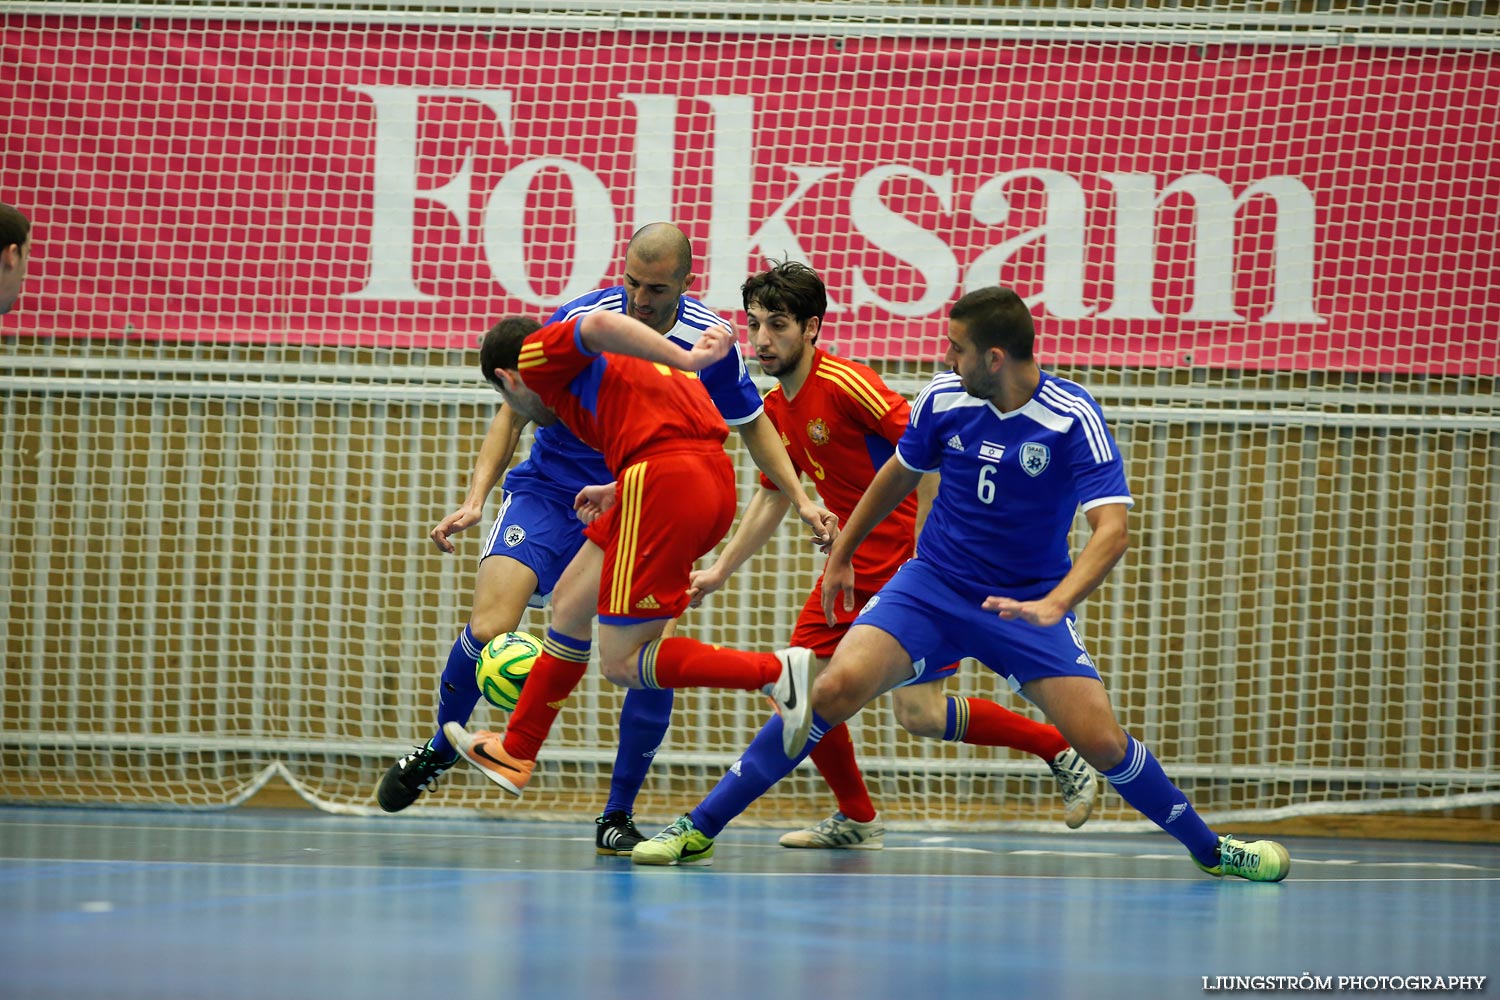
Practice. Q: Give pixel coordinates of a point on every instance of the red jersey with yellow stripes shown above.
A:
(663, 439)
(839, 430)
(621, 406)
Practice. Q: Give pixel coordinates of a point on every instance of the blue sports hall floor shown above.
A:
(287, 904)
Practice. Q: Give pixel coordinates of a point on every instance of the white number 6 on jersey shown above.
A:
(986, 484)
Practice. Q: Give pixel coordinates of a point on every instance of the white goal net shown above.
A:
(240, 385)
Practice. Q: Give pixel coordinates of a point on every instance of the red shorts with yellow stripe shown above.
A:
(813, 632)
(670, 509)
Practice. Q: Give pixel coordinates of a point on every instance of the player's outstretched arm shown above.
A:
(1108, 539)
(762, 515)
(621, 334)
(495, 453)
(890, 486)
(763, 442)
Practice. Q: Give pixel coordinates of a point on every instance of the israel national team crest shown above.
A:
(817, 431)
(514, 535)
(1035, 458)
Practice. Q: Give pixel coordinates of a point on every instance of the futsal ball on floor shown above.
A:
(504, 666)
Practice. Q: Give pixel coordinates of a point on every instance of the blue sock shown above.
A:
(644, 719)
(1140, 781)
(761, 765)
(458, 691)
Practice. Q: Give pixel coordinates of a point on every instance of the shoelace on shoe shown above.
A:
(679, 828)
(1236, 856)
(828, 826)
(614, 829)
(1073, 782)
(423, 757)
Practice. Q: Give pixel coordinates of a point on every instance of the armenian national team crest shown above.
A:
(514, 535)
(1035, 458)
(817, 431)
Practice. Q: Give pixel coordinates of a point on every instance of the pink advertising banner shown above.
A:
(1245, 207)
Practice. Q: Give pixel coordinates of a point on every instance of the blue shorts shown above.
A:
(937, 625)
(540, 532)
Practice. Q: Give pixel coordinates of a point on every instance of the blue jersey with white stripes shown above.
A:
(1011, 482)
(562, 465)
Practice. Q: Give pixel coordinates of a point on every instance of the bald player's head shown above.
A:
(658, 271)
(662, 242)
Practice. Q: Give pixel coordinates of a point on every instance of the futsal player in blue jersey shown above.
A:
(1019, 452)
(537, 532)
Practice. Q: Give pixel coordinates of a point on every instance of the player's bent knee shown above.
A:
(572, 618)
(838, 694)
(918, 721)
(620, 672)
(1103, 750)
(486, 627)
(921, 709)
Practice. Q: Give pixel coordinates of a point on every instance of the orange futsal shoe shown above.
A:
(483, 749)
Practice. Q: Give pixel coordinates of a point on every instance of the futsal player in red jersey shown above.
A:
(632, 395)
(840, 423)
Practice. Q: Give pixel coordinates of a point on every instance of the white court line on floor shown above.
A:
(647, 869)
(929, 845)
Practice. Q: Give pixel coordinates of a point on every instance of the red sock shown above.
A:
(834, 758)
(684, 663)
(551, 681)
(983, 723)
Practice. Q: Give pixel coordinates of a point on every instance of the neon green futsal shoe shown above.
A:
(1256, 860)
(678, 844)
